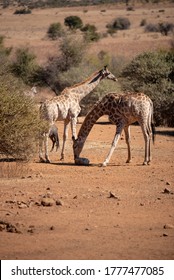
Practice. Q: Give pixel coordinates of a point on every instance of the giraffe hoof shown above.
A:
(145, 163)
(104, 164)
(47, 161)
(42, 160)
(128, 161)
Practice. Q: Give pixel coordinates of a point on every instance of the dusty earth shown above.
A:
(122, 211)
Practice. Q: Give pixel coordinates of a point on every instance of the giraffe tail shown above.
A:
(153, 124)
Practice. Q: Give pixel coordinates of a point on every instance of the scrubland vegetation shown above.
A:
(150, 72)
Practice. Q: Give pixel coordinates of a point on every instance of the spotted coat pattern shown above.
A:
(122, 110)
(66, 107)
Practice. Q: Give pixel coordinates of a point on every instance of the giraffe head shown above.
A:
(77, 146)
(105, 73)
(34, 90)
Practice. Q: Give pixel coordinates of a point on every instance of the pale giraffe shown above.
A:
(66, 107)
(122, 110)
(31, 93)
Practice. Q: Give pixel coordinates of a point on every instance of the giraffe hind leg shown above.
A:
(146, 135)
(127, 136)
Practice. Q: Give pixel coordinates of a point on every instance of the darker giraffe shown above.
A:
(123, 110)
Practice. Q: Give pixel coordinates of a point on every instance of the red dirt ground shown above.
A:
(138, 223)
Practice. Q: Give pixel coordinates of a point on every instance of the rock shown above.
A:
(82, 161)
(9, 227)
(47, 201)
(22, 205)
(2, 227)
(166, 191)
(165, 234)
(112, 195)
(30, 230)
(168, 226)
(52, 228)
(59, 202)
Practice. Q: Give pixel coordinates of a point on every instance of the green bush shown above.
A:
(143, 22)
(118, 24)
(19, 119)
(22, 11)
(90, 33)
(72, 51)
(164, 28)
(73, 22)
(153, 74)
(55, 31)
(20, 123)
(25, 66)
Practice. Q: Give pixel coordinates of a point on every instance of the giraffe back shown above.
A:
(130, 107)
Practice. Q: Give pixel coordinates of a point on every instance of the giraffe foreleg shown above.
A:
(65, 136)
(46, 147)
(73, 127)
(114, 144)
(41, 141)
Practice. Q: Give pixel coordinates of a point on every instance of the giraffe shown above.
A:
(31, 93)
(122, 110)
(66, 107)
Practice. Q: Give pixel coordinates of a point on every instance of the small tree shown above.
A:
(71, 54)
(118, 24)
(166, 27)
(25, 65)
(22, 11)
(20, 122)
(55, 31)
(90, 33)
(153, 73)
(73, 22)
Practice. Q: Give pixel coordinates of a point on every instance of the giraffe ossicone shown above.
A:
(66, 107)
(122, 110)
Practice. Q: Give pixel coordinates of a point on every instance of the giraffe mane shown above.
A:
(94, 76)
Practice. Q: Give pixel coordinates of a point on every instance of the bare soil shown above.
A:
(122, 211)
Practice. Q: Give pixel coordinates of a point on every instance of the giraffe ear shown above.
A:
(105, 67)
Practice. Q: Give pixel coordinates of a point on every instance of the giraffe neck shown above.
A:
(84, 88)
(98, 110)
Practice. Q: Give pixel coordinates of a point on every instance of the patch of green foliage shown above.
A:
(20, 123)
(153, 74)
(73, 22)
(55, 31)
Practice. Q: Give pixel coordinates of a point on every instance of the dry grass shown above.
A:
(13, 169)
(30, 30)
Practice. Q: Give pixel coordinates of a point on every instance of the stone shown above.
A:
(82, 161)
(47, 201)
(59, 202)
(168, 226)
